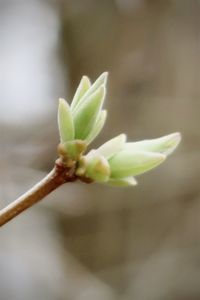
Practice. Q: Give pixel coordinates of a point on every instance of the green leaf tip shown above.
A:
(166, 144)
(101, 81)
(83, 87)
(65, 121)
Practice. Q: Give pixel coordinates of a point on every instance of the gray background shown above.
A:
(95, 242)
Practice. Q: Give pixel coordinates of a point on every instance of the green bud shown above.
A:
(113, 146)
(72, 149)
(127, 181)
(97, 167)
(87, 114)
(97, 127)
(83, 87)
(129, 163)
(166, 144)
(101, 81)
(65, 121)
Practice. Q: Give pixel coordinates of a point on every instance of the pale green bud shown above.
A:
(97, 167)
(101, 81)
(83, 87)
(166, 144)
(72, 149)
(65, 121)
(97, 127)
(87, 114)
(129, 163)
(127, 181)
(112, 146)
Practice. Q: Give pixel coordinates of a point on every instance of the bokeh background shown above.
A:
(95, 242)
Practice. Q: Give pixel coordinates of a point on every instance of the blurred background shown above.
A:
(95, 242)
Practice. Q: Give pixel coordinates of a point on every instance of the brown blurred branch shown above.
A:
(58, 176)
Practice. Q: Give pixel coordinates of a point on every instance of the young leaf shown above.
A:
(84, 85)
(101, 81)
(87, 114)
(129, 163)
(166, 144)
(112, 146)
(65, 121)
(97, 127)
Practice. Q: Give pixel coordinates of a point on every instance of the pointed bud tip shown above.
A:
(104, 77)
(176, 138)
(131, 181)
(105, 74)
(86, 79)
(173, 140)
(61, 100)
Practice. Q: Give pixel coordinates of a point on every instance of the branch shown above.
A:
(58, 176)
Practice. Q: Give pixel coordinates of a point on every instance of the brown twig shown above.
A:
(58, 176)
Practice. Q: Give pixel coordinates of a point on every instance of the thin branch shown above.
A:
(58, 176)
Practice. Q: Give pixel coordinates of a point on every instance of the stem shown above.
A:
(58, 176)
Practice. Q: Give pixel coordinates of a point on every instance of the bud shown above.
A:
(83, 87)
(65, 121)
(87, 114)
(72, 149)
(113, 146)
(166, 144)
(97, 127)
(130, 163)
(101, 81)
(97, 167)
(127, 181)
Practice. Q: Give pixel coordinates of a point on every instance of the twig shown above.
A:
(58, 176)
